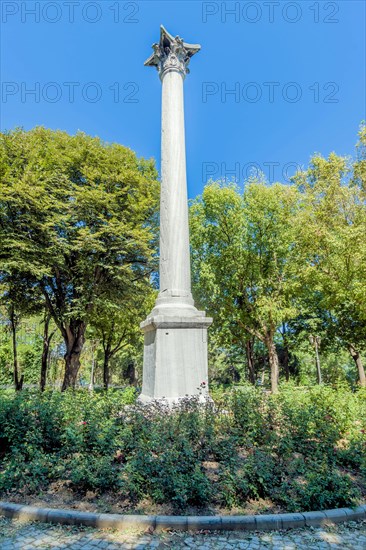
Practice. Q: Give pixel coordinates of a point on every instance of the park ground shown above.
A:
(27, 536)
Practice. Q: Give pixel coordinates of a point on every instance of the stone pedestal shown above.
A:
(175, 349)
(175, 357)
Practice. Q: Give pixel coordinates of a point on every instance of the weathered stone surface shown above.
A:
(204, 522)
(246, 523)
(84, 518)
(171, 522)
(175, 358)
(314, 518)
(290, 521)
(336, 516)
(30, 513)
(9, 509)
(359, 512)
(67, 517)
(268, 521)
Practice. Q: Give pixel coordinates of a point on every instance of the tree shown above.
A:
(76, 216)
(19, 301)
(245, 260)
(332, 228)
(116, 318)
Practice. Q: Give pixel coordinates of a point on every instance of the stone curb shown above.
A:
(183, 523)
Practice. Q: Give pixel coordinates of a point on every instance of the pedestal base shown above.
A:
(175, 357)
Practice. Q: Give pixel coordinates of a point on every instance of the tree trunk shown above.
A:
(74, 347)
(286, 363)
(106, 368)
(317, 360)
(273, 363)
(45, 351)
(92, 374)
(18, 383)
(357, 359)
(249, 345)
(285, 356)
(131, 374)
(72, 366)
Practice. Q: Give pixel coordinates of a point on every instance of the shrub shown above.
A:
(27, 476)
(88, 472)
(319, 490)
(295, 449)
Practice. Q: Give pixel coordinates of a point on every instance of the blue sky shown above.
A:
(296, 69)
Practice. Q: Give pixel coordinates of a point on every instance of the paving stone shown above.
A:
(349, 536)
(103, 544)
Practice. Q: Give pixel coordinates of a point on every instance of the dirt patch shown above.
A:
(59, 496)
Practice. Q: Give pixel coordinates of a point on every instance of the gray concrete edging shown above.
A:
(266, 522)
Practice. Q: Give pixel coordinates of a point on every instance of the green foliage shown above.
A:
(300, 449)
(331, 230)
(280, 263)
(89, 472)
(77, 227)
(245, 261)
(273, 264)
(320, 489)
(6, 374)
(243, 253)
(28, 476)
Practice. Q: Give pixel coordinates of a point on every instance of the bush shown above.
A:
(27, 476)
(301, 449)
(319, 490)
(88, 472)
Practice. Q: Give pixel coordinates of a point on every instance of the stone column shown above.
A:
(175, 352)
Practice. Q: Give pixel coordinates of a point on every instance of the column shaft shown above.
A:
(175, 276)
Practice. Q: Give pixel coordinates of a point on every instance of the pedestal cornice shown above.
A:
(171, 321)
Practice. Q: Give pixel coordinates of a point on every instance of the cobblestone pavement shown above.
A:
(28, 536)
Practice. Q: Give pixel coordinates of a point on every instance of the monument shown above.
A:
(175, 332)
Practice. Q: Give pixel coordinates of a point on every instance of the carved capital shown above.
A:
(171, 54)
